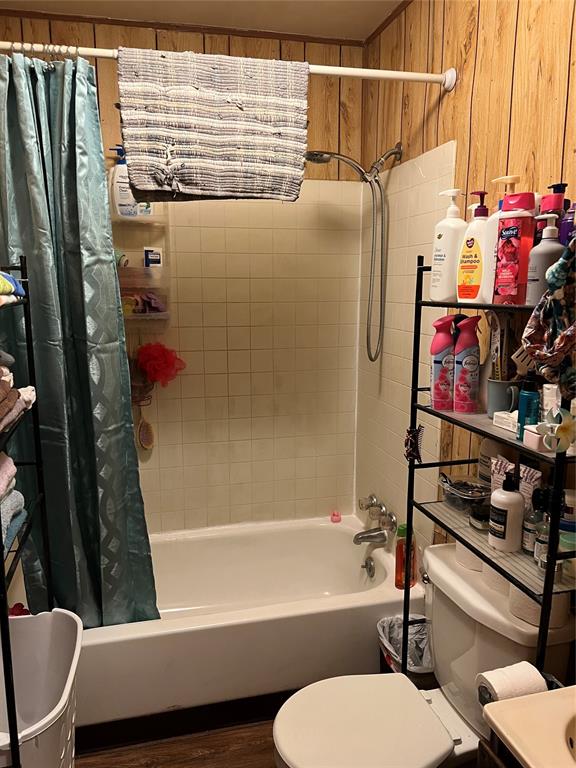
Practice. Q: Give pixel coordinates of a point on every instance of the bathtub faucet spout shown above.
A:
(373, 536)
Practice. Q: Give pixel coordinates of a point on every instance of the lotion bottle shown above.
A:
(551, 203)
(467, 367)
(542, 256)
(124, 206)
(471, 259)
(506, 516)
(447, 240)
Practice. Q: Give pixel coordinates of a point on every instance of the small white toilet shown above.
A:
(384, 721)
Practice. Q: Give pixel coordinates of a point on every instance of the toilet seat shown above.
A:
(360, 721)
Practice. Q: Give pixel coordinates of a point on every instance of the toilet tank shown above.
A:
(473, 631)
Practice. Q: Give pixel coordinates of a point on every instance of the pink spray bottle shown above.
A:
(467, 367)
(442, 368)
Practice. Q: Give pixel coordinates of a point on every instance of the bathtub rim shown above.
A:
(167, 625)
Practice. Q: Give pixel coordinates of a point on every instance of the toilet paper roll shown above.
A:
(492, 579)
(467, 559)
(523, 607)
(508, 682)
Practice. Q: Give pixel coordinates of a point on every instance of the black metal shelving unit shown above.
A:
(35, 507)
(516, 567)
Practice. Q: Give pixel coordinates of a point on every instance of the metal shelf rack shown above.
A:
(23, 528)
(517, 568)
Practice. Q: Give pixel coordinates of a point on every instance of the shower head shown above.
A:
(325, 157)
(318, 157)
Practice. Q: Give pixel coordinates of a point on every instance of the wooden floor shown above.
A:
(245, 746)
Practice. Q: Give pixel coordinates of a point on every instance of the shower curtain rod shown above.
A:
(446, 79)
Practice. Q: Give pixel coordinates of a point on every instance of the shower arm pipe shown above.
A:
(446, 79)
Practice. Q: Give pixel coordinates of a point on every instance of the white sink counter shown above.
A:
(537, 729)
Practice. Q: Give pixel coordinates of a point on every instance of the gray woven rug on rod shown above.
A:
(199, 126)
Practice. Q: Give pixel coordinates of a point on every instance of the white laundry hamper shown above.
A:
(45, 652)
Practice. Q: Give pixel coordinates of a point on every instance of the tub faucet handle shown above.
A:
(368, 502)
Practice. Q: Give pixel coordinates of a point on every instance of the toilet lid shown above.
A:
(360, 721)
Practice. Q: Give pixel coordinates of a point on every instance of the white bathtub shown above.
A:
(246, 610)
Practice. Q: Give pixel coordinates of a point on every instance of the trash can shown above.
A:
(45, 652)
(419, 652)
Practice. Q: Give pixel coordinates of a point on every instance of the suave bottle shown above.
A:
(472, 257)
(467, 367)
(516, 230)
(442, 365)
(447, 239)
(491, 241)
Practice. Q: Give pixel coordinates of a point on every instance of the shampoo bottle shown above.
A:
(528, 404)
(516, 231)
(447, 239)
(470, 268)
(506, 516)
(442, 365)
(542, 256)
(467, 367)
(567, 229)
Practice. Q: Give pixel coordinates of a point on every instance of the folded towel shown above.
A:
(7, 473)
(9, 285)
(17, 410)
(10, 506)
(6, 375)
(197, 126)
(8, 299)
(28, 394)
(6, 359)
(9, 402)
(12, 532)
(9, 489)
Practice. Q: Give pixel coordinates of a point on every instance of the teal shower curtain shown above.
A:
(54, 211)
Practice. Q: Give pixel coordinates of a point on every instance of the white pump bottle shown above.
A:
(541, 257)
(447, 239)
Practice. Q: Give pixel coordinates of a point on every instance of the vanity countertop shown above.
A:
(537, 729)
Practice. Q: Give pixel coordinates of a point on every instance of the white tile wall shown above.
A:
(383, 387)
(261, 424)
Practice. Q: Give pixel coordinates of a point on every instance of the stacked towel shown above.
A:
(9, 299)
(6, 375)
(7, 474)
(199, 127)
(10, 506)
(8, 397)
(6, 360)
(26, 397)
(10, 286)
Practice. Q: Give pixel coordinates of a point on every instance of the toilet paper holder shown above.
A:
(485, 696)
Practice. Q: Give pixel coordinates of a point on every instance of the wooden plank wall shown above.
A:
(512, 111)
(335, 104)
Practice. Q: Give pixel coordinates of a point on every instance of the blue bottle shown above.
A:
(528, 404)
